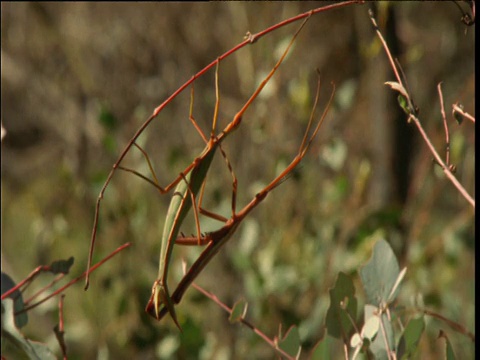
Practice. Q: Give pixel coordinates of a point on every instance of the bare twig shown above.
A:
(447, 135)
(257, 331)
(412, 117)
(60, 290)
(42, 290)
(440, 162)
(59, 329)
(457, 327)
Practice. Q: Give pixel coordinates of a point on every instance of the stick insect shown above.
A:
(187, 190)
(216, 239)
(250, 39)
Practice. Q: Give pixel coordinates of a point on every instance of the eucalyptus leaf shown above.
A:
(370, 328)
(411, 336)
(343, 308)
(32, 349)
(322, 349)
(379, 276)
(7, 283)
(239, 310)
(290, 343)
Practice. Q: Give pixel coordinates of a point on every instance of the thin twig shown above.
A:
(440, 162)
(457, 327)
(26, 282)
(444, 117)
(59, 329)
(225, 307)
(42, 290)
(92, 269)
(413, 117)
(458, 109)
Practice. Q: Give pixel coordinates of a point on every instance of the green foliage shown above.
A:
(290, 343)
(12, 336)
(411, 336)
(343, 308)
(313, 234)
(7, 283)
(239, 310)
(380, 279)
(381, 275)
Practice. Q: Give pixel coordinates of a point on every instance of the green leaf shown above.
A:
(410, 338)
(239, 310)
(379, 276)
(61, 266)
(18, 304)
(290, 343)
(402, 101)
(10, 333)
(321, 349)
(343, 308)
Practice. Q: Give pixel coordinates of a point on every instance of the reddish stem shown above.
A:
(257, 331)
(92, 269)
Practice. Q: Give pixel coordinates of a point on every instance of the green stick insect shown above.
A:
(216, 239)
(187, 190)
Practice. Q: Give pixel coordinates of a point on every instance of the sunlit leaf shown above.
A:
(371, 327)
(356, 340)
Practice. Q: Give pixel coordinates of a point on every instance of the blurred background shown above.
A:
(78, 79)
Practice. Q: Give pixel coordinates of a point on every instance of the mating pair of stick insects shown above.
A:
(190, 183)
